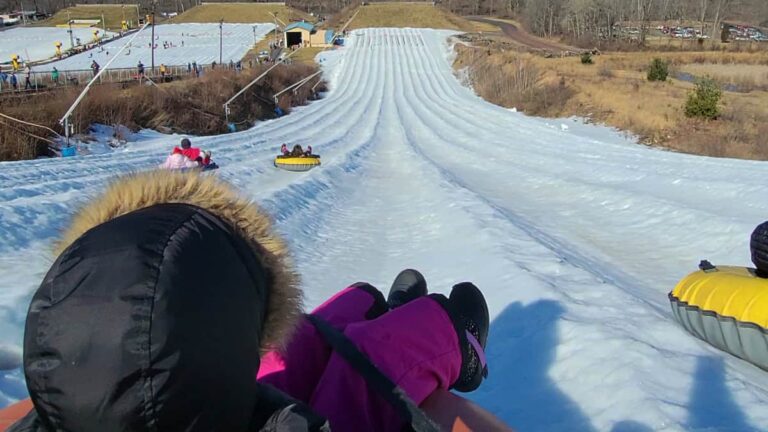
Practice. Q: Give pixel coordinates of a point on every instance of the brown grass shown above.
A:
(615, 91)
(514, 81)
(404, 14)
(191, 106)
(113, 15)
(744, 76)
(241, 13)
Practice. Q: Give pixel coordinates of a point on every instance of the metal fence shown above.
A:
(46, 81)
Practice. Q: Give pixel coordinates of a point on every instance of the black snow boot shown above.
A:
(408, 285)
(471, 319)
(759, 247)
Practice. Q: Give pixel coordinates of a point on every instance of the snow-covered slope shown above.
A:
(38, 43)
(575, 234)
(186, 43)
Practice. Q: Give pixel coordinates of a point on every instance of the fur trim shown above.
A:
(136, 191)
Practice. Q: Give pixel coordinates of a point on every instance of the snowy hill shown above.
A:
(38, 43)
(575, 233)
(186, 43)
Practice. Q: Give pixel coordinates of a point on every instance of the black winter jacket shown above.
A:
(155, 315)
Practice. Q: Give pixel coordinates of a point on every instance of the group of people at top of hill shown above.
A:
(297, 151)
(187, 157)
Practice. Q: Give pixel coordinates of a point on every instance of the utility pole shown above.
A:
(138, 15)
(221, 40)
(153, 37)
(103, 24)
(71, 37)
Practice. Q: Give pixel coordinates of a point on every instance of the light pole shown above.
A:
(221, 40)
(23, 15)
(152, 42)
(71, 37)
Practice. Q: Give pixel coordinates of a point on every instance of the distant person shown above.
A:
(177, 160)
(95, 67)
(213, 65)
(14, 81)
(297, 151)
(27, 77)
(55, 75)
(284, 150)
(163, 71)
(309, 151)
(187, 150)
(140, 69)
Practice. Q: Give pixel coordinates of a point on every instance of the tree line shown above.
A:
(597, 19)
(578, 19)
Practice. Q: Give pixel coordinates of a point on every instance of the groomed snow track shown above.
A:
(574, 232)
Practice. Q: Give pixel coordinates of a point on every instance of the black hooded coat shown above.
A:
(154, 316)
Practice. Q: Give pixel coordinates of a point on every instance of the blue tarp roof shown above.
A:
(303, 25)
(328, 36)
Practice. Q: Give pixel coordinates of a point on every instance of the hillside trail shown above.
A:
(525, 39)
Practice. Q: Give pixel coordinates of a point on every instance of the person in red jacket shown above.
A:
(187, 150)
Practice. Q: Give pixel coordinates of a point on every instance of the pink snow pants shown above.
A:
(415, 345)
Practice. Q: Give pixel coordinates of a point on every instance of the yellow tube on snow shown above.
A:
(304, 163)
(727, 307)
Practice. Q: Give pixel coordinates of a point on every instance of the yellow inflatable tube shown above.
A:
(305, 163)
(727, 307)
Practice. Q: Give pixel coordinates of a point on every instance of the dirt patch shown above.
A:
(521, 37)
(405, 14)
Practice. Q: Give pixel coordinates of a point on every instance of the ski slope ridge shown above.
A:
(574, 232)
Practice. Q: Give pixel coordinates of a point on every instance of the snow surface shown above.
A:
(37, 43)
(201, 45)
(576, 234)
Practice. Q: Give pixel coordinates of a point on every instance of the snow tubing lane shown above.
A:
(297, 163)
(727, 307)
(11, 414)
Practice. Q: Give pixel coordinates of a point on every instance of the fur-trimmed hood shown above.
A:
(132, 192)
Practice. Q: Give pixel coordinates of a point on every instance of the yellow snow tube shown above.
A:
(289, 163)
(727, 307)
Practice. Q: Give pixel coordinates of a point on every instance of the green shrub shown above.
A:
(586, 58)
(703, 101)
(658, 70)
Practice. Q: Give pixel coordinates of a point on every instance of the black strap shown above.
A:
(393, 394)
